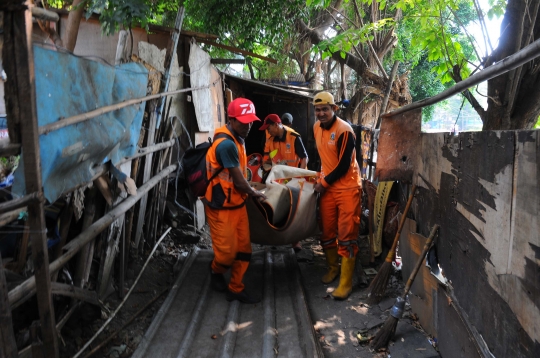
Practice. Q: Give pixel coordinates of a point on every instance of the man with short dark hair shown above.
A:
(339, 188)
(225, 201)
(286, 119)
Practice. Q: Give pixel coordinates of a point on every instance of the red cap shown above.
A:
(243, 110)
(268, 120)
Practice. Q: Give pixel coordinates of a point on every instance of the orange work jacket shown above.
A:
(221, 192)
(326, 141)
(286, 154)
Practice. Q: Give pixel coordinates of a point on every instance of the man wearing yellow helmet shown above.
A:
(339, 188)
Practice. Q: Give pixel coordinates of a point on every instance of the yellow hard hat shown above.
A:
(323, 98)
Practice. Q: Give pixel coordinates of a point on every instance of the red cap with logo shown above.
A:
(243, 110)
(271, 118)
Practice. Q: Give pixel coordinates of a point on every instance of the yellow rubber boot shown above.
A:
(345, 281)
(332, 260)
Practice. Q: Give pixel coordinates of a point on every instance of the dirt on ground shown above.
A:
(343, 328)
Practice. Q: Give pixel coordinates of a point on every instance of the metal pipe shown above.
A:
(521, 57)
(73, 247)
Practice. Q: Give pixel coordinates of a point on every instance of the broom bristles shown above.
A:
(385, 334)
(378, 285)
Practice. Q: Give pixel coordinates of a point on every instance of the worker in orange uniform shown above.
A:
(286, 147)
(284, 142)
(225, 201)
(339, 189)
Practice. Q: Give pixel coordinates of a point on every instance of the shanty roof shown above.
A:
(304, 93)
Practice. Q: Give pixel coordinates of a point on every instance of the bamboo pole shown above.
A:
(106, 109)
(521, 57)
(23, 290)
(19, 203)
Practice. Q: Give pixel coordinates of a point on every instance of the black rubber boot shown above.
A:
(242, 297)
(217, 282)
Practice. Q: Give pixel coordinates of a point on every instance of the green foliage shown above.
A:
(537, 125)
(345, 40)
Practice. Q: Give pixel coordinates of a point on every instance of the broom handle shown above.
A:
(390, 256)
(427, 246)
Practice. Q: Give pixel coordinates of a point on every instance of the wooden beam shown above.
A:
(521, 57)
(7, 148)
(237, 61)
(8, 346)
(18, 24)
(237, 50)
(63, 289)
(18, 203)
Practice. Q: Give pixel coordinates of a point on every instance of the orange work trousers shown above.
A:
(339, 213)
(229, 230)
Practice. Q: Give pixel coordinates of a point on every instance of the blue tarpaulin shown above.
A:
(67, 85)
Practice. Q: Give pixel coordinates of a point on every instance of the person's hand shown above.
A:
(267, 165)
(259, 195)
(319, 188)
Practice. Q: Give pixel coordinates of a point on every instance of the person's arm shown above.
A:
(300, 151)
(227, 154)
(242, 185)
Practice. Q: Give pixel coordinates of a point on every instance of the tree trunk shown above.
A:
(72, 26)
(514, 97)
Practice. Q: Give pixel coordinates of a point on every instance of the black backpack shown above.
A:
(194, 164)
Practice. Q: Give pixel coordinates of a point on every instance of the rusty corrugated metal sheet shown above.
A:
(399, 144)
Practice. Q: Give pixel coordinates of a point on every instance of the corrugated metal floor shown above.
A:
(196, 321)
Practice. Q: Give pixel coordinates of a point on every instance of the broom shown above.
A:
(387, 331)
(379, 283)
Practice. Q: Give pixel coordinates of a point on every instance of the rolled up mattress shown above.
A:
(290, 212)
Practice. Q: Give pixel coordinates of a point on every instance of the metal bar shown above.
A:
(19, 203)
(24, 78)
(521, 57)
(24, 290)
(106, 109)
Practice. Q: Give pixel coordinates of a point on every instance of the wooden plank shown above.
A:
(63, 289)
(424, 291)
(84, 261)
(146, 175)
(469, 186)
(20, 31)
(8, 345)
(18, 266)
(520, 287)
(399, 144)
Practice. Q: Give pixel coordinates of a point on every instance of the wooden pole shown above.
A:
(8, 346)
(61, 123)
(24, 291)
(19, 27)
(521, 57)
